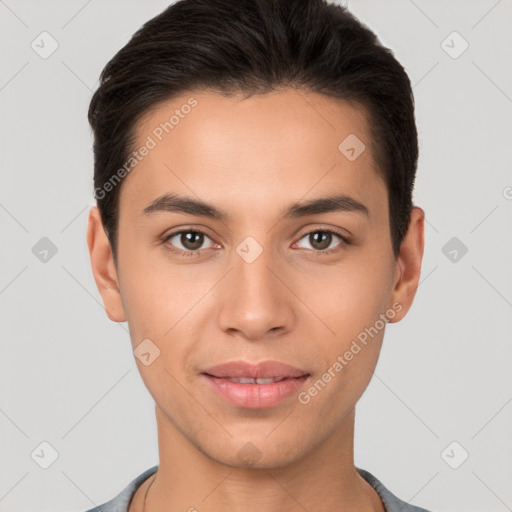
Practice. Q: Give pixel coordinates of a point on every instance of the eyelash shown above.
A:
(195, 253)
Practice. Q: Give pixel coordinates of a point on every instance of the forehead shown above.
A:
(262, 148)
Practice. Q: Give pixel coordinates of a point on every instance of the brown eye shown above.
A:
(321, 240)
(187, 241)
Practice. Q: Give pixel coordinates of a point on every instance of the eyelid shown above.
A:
(342, 233)
(334, 231)
(172, 234)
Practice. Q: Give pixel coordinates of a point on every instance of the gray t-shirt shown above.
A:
(122, 501)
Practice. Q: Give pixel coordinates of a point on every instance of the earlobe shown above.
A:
(409, 264)
(103, 267)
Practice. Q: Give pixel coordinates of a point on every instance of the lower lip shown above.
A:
(255, 396)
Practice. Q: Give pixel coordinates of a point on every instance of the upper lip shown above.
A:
(262, 370)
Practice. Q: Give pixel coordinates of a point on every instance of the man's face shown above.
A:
(256, 286)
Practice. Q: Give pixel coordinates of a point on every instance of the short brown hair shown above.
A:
(250, 47)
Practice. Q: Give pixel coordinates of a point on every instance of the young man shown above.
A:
(254, 165)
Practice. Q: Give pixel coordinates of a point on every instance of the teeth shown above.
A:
(243, 380)
(248, 380)
(266, 381)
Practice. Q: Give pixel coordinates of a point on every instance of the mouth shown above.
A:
(249, 380)
(257, 386)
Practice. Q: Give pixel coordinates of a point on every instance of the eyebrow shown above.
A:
(187, 205)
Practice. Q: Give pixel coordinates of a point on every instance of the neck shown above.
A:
(188, 479)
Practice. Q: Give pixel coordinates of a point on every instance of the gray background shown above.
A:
(68, 376)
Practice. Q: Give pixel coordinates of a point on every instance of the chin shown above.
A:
(256, 455)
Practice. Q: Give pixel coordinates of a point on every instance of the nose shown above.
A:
(256, 298)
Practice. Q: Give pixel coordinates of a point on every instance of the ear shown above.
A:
(103, 267)
(408, 264)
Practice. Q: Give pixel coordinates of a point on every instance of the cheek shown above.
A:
(347, 370)
(163, 308)
(352, 298)
(153, 293)
(352, 304)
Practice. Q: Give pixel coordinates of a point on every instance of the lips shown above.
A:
(248, 380)
(264, 370)
(255, 386)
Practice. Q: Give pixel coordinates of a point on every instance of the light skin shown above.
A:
(253, 158)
